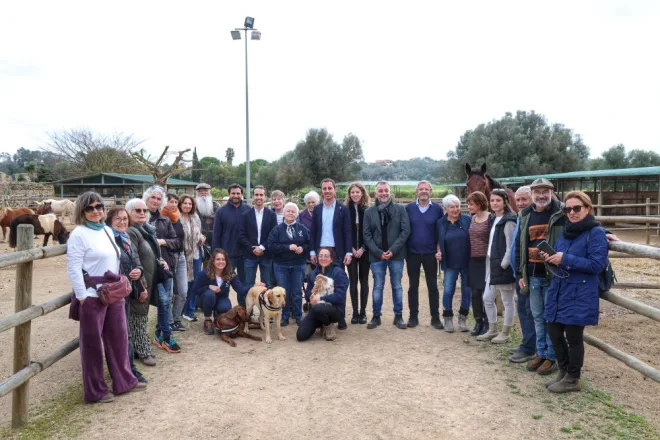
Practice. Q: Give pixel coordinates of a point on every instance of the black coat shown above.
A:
(357, 237)
(129, 259)
(165, 230)
(149, 252)
(248, 235)
(498, 275)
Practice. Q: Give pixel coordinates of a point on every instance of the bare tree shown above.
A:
(158, 169)
(86, 152)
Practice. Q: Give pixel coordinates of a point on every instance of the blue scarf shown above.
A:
(95, 226)
(123, 238)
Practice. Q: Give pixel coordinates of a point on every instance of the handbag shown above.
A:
(115, 287)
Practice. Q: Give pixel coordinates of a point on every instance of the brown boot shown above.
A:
(208, 326)
(535, 363)
(557, 378)
(503, 337)
(547, 368)
(492, 332)
(329, 332)
(566, 385)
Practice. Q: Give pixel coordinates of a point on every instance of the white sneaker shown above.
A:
(186, 317)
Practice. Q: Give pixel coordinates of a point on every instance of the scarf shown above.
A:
(192, 232)
(124, 239)
(148, 232)
(95, 226)
(172, 215)
(573, 230)
(290, 230)
(384, 211)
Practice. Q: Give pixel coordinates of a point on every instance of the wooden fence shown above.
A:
(24, 368)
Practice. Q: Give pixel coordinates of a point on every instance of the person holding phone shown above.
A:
(579, 256)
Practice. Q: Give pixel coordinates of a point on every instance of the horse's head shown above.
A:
(477, 180)
(61, 233)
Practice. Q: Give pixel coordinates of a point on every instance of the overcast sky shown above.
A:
(407, 77)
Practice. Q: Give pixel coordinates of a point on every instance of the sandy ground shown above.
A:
(372, 384)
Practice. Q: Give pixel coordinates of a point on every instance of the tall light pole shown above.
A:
(255, 35)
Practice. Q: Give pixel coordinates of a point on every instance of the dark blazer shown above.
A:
(336, 298)
(248, 235)
(341, 229)
(441, 228)
(202, 283)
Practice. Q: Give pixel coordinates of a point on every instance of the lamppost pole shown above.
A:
(256, 35)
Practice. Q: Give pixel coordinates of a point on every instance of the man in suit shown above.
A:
(331, 227)
(256, 224)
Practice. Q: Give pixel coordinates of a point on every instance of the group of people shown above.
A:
(161, 241)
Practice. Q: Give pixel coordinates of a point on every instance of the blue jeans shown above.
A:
(191, 300)
(264, 265)
(527, 325)
(538, 288)
(214, 302)
(181, 279)
(164, 305)
(449, 288)
(378, 268)
(290, 278)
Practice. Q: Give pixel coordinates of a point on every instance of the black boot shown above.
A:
(476, 331)
(363, 317)
(399, 322)
(484, 329)
(375, 322)
(355, 319)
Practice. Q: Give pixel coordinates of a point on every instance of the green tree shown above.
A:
(196, 172)
(229, 154)
(319, 156)
(518, 145)
(615, 158)
(643, 158)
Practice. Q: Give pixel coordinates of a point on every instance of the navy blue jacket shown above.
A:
(338, 298)
(226, 227)
(248, 235)
(202, 283)
(423, 228)
(442, 224)
(279, 242)
(341, 229)
(574, 300)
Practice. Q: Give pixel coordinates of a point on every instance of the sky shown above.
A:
(408, 78)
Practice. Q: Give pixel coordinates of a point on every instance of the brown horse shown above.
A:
(44, 208)
(479, 180)
(8, 214)
(45, 225)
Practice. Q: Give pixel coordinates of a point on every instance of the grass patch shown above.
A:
(537, 416)
(63, 416)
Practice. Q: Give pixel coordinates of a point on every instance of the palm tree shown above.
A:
(230, 155)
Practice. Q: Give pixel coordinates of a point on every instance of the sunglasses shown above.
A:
(140, 210)
(90, 209)
(576, 209)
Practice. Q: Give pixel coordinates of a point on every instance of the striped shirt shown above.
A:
(479, 233)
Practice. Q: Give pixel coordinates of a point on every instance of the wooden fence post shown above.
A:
(599, 210)
(23, 300)
(648, 225)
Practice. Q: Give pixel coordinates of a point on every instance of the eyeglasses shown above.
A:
(324, 256)
(140, 210)
(576, 209)
(121, 220)
(89, 209)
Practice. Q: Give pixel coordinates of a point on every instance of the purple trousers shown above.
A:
(104, 327)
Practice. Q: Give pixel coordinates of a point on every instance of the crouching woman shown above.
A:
(211, 287)
(572, 299)
(328, 308)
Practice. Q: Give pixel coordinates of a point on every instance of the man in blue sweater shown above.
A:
(423, 215)
(226, 227)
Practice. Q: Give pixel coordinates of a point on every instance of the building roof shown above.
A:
(580, 175)
(134, 178)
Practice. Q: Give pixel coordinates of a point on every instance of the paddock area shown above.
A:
(368, 384)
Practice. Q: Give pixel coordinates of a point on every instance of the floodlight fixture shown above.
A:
(256, 35)
(235, 35)
(249, 22)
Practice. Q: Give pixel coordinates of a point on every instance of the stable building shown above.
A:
(118, 186)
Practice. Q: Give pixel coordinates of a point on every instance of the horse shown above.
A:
(47, 225)
(7, 215)
(44, 208)
(61, 208)
(480, 180)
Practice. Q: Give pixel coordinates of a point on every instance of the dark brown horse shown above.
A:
(8, 214)
(44, 208)
(479, 180)
(45, 225)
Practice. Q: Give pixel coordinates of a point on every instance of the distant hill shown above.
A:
(414, 169)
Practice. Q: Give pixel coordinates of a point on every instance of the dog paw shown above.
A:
(282, 338)
(269, 341)
(232, 343)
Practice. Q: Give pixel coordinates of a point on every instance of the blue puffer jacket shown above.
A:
(338, 298)
(574, 300)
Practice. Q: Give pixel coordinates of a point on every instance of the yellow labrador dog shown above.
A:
(270, 304)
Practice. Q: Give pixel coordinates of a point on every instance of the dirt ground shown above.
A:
(368, 384)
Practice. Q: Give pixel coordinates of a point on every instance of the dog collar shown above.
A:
(263, 301)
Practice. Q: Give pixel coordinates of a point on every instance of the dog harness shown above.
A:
(228, 330)
(263, 301)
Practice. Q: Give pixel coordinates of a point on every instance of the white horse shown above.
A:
(61, 208)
